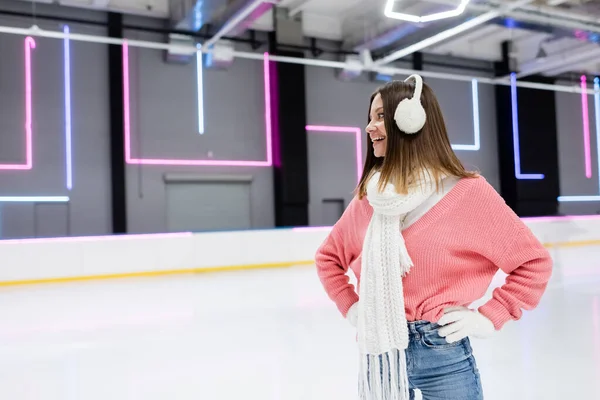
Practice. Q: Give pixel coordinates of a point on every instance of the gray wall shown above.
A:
(573, 181)
(89, 209)
(333, 102)
(164, 126)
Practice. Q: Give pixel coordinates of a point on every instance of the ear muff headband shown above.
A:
(410, 115)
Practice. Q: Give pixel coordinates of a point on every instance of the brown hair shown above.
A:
(408, 155)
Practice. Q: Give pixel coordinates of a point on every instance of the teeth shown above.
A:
(378, 139)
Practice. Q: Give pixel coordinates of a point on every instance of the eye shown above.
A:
(380, 115)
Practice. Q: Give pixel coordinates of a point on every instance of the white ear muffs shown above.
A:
(410, 115)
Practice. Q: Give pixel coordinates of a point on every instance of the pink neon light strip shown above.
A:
(29, 45)
(156, 161)
(564, 218)
(106, 238)
(312, 229)
(586, 128)
(345, 129)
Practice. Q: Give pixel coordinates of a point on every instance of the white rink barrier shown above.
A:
(28, 261)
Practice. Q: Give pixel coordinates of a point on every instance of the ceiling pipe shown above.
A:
(444, 35)
(298, 8)
(37, 32)
(389, 37)
(553, 62)
(240, 21)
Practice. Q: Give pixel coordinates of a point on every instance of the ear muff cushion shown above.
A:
(410, 116)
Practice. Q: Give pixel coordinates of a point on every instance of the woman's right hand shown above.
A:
(352, 314)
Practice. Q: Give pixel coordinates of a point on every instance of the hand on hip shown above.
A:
(460, 322)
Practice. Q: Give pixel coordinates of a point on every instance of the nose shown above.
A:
(370, 128)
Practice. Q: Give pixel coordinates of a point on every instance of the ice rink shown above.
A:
(265, 335)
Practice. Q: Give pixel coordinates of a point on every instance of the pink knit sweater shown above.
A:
(456, 247)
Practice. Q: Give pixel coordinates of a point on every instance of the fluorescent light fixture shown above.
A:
(150, 161)
(67, 71)
(515, 128)
(447, 34)
(564, 199)
(586, 129)
(476, 129)
(34, 199)
(424, 18)
(200, 90)
(344, 129)
(29, 45)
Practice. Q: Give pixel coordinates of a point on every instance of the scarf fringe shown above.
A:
(383, 377)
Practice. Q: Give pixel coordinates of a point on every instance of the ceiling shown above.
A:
(565, 32)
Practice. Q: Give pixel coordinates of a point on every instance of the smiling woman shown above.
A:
(420, 147)
(425, 238)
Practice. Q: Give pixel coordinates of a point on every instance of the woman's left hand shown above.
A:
(460, 322)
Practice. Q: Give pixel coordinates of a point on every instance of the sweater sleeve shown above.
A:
(529, 267)
(334, 257)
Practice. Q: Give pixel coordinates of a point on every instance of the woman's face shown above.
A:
(376, 128)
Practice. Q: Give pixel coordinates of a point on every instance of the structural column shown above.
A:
(117, 140)
(290, 147)
(527, 144)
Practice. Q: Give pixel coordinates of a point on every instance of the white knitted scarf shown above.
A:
(382, 326)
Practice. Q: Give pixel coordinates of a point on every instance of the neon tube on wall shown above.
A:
(515, 128)
(29, 45)
(344, 129)
(67, 68)
(528, 220)
(148, 161)
(476, 129)
(200, 90)
(592, 198)
(103, 238)
(597, 120)
(586, 129)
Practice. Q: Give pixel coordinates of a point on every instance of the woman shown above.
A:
(418, 210)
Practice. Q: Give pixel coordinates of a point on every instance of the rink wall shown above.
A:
(30, 261)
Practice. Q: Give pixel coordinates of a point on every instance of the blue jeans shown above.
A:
(440, 370)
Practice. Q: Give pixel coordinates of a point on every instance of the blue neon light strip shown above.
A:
(515, 126)
(200, 90)
(566, 199)
(34, 199)
(67, 70)
(476, 130)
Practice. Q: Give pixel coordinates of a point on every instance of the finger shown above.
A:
(451, 317)
(455, 337)
(451, 329)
